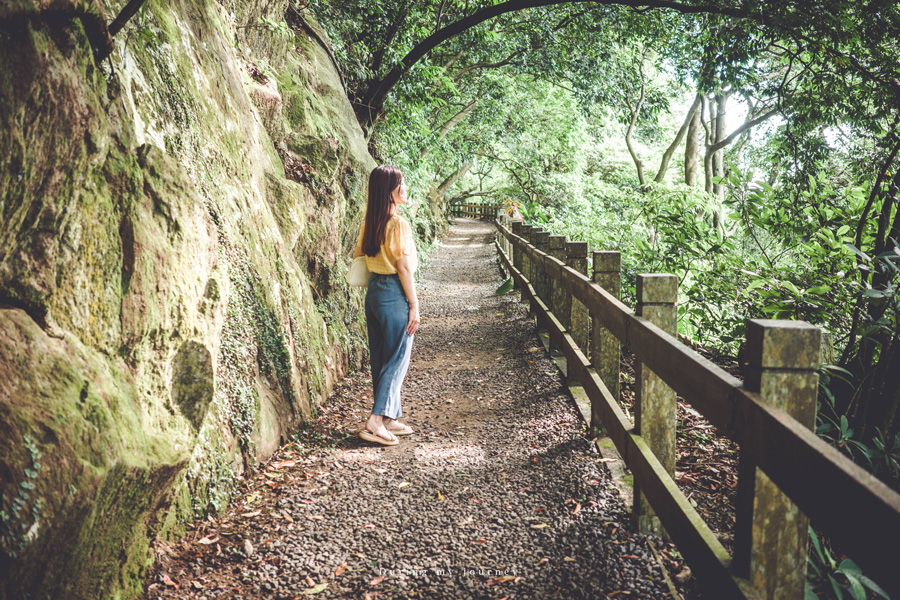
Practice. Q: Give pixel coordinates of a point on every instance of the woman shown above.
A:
(392, 308)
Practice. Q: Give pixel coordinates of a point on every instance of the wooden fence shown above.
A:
(786, 473)
(475, 211)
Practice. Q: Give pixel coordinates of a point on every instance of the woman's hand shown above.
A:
(414, 319)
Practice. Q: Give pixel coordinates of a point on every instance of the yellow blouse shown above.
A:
(398, 241)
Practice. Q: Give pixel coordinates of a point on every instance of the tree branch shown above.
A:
(747, 125)
(506, 61)
(128, 11)
(378, 90)
(670, 151)
(450, 124)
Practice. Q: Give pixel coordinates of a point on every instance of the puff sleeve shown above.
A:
(401, 243)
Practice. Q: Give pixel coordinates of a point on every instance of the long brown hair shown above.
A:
(382, 181)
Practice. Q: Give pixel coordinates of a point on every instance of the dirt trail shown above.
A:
(497, 494)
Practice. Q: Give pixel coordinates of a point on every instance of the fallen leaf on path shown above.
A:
(316, 589)
(631, 556)
(683, 576)
(540, 509)
(360, 554)
(318, 517)
(577, 508)
(606, 460)
(404, 484)
(305, 501)
(168, 581)
(541, 526)
(568, 559)
(502, 579)
(369, 526)
(288, 517)
(377, 580)
(208, 540)
(310, 581)
(542, 561)
(283, 464)
(252, 514)
(370, 595)
(440, 496)
(340, 570)
(479, 541)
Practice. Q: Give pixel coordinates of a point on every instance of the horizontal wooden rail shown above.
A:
(475, 211)
(855, 510)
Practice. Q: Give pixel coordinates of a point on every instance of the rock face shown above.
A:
(174, 229)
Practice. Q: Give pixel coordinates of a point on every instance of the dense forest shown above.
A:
(749, 147)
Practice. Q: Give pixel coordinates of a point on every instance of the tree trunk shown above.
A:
(667, 155)
(438, 194)
(638, 163)
(710, 140)
(635, 112)
(692, 147)
(719, 155)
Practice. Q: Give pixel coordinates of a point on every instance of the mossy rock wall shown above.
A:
(174, 230)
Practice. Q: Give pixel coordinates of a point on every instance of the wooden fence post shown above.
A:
(556, 295)
(516, 253)
(771, 535)
(604, 345)
(542, 242)
(535, 272)
(579, 318)
(654, 403)
(526, 262)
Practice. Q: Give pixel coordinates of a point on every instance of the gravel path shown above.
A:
(497, 494)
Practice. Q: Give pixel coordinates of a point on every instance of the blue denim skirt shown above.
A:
(387, 315)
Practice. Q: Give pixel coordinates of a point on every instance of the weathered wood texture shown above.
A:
(579, 317)
(655, 404)
(771, 532)
(605, 351)
(851, 507)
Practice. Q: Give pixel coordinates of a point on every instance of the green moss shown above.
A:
(120, 462)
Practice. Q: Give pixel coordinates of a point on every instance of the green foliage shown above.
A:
(19, 522)
(505, 287)
(279, 28)
(826, 578)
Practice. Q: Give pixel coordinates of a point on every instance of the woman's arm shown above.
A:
(409, 288)
(358, 251)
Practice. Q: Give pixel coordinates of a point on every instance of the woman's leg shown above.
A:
(376, 295)
(393, 315)
(376, 337)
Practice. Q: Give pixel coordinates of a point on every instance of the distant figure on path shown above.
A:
(392, 308)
